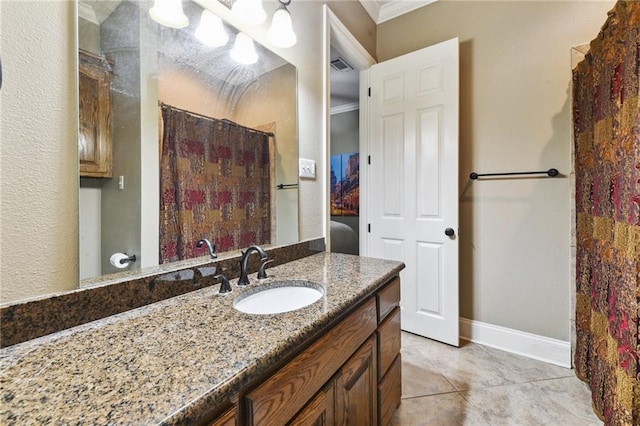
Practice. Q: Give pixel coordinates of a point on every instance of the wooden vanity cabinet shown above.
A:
(350, 375)
(95, 115)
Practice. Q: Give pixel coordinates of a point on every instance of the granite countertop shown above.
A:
(171, 361)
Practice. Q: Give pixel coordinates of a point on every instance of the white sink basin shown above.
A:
(278, 297)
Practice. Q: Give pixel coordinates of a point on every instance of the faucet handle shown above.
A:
(225, 286)
(262, 272)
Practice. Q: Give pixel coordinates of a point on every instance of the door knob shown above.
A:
(449, 232)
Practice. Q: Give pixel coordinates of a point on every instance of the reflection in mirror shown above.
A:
(135, 154)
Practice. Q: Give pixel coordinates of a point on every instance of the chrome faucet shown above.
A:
(210, 247)
(244, 278)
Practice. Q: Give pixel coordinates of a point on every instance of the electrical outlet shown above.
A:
(307, 168)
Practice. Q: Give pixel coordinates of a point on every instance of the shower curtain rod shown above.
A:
(226, 120)
(550, 173)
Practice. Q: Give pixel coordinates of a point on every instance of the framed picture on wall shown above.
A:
(345, 184)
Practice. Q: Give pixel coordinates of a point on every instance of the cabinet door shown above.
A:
(227, 419)
(356, 387)
(319, 411)
(95, 116)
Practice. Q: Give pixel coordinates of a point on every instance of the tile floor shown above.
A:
(479, 385)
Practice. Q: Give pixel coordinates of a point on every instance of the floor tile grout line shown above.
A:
(506, 385)
(429, 395)
(450, 382)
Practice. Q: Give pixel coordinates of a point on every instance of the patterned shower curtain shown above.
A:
(214, 183)
(606, 112)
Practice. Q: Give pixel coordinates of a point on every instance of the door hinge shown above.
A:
(369, 227)
(369, 91)
(368, 159)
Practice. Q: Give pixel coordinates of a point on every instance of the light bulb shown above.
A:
(169, 13)
(281, 32)
(249, 11)
(211, 31)
(243, 50)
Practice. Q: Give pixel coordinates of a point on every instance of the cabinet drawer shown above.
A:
(282, 395)
(390, 392)
(388, 298)
(388, 341)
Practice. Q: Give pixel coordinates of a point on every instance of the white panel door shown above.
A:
(412, 195)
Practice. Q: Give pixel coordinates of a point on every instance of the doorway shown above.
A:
(346, 60)
(344, 155)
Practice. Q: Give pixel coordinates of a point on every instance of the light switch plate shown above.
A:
(307, 168)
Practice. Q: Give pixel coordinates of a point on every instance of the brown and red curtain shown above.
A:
(606, 115)
(214, 184)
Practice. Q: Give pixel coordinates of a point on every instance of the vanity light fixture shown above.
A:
(243, 50)
(169, 13)
(249, 11)
(281, 32)
(211, 31)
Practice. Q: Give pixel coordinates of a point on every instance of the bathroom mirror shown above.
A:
(151, 65)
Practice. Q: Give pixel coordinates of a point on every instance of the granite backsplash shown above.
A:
(26, 320)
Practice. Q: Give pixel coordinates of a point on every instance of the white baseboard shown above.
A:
(542, 348)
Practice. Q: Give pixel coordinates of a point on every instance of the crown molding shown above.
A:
(86, 12)
(372, 7)
(382, 12)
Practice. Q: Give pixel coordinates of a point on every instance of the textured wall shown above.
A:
(515, 77)
(39, 160)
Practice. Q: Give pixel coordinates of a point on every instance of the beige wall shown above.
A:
(515, 114)
(39, 185)
(39, 160)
